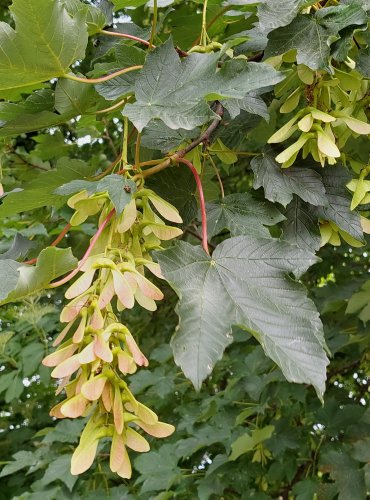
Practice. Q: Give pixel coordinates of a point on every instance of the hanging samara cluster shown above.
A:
(95, 351)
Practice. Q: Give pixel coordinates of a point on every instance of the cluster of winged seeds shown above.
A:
(334, 114)
(95, 351)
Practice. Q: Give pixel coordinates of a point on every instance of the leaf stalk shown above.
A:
(94, 239)
(102, 79)
(154, 24)
(201, 201)
(126, 35)
(53, 244)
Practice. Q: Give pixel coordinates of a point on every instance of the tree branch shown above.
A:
(107, 136)
(175, 158)
(203, 138)
(26, 162)
(198, 236)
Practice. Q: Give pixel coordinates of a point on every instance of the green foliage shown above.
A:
(280, 185)
(359, 303)
(51, 263)
(234, 281)
(178, 98)
(58, 41)
(300, 227)
(40, 192)
(241, 129)
(241, 214)
(338, 209)
(310, 35)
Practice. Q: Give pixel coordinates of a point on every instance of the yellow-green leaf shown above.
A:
(348, 81)
(326, 232)
(365, 224)
(335, 239)
(360, 191)
(350, 240)
(224, 153)
(305, 74)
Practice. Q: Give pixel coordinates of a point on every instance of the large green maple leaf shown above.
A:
(175, 91)
(311, 36)
(245, 282)
(44, 44)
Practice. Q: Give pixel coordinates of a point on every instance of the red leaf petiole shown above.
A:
(94, 239)
(54, 244)
(201, 200)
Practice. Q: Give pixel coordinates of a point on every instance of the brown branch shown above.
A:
(108, 169)
(285, 491)
(206, 136)
(363, 390)
(256, 57)
(203, 138)
(341, 370)
(181, 52)
(149, 162)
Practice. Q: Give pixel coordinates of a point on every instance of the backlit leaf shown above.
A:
(40, 191)
(29, 56)
(51, 263)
